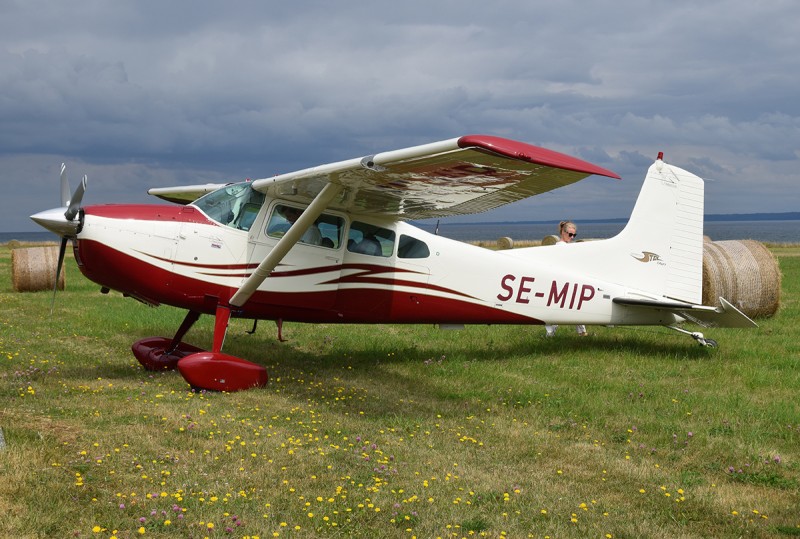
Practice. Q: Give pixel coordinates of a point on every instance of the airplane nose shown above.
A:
(62, 220)
(55, 221)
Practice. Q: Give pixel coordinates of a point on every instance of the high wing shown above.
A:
(465, 175)
(184, 194)
(724, 316)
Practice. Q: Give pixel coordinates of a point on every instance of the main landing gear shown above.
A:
(212, 370)
(697, 336)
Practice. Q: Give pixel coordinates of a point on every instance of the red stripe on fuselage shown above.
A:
(214, 267)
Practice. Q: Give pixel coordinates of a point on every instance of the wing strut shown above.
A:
(286, 243)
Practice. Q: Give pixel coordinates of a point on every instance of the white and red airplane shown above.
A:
(330, 244)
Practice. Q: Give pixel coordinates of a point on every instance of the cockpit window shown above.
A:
(235, 205)
(370, 239)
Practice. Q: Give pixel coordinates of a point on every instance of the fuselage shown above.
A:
(194, 258)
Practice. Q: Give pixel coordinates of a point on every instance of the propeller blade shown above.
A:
(61, 252)
(64, 185)
(75, 201)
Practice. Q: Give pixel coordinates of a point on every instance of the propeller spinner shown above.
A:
(62, 220)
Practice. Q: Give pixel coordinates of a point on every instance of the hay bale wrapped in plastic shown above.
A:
(743, 272)
(34, 269)
(505, 243)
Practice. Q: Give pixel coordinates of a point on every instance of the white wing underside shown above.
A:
(465, 175)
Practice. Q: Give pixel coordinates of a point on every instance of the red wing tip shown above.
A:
(533, 154)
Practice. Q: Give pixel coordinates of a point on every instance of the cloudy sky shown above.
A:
(147, 93)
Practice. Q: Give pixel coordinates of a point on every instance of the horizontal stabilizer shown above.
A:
(725, 316)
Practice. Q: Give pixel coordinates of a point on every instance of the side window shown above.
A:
(370, 240)
(330, 230)
(325, 232)
(409, 247)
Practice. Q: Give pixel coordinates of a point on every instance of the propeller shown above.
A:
(62, 251)
(62, 221)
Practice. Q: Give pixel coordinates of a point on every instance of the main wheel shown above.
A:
(215, 371)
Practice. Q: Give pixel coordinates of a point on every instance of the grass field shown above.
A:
(396, 431)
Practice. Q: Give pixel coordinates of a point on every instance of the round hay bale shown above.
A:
(34, 269)
(552, 239)
(745, 273)
(505, 243)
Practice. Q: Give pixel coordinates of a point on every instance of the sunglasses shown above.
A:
(572, 234)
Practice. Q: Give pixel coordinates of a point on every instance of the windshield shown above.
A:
(234, 205)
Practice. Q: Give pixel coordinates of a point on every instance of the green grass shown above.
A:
(396, 431)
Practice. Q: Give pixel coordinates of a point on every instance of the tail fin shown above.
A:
(659, 254)
(662, 244)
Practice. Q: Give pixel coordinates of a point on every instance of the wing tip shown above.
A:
(533, 154)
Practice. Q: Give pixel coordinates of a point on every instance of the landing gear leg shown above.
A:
(186, 325)
(697, 336)
(221, 320)
(162, 353)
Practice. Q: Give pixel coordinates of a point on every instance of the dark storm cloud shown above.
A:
(142, 94)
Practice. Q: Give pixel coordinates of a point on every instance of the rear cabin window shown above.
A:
(370, 240)
(325, 232)
(409, 247)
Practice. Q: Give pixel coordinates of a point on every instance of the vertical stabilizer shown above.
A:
(666, 230)
(658, 255)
